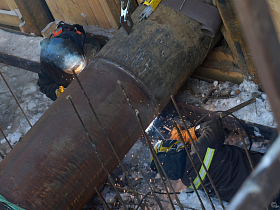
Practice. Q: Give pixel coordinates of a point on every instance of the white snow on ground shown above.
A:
(34, 103)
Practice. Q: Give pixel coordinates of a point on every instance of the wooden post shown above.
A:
(234, 36)
(35, 14)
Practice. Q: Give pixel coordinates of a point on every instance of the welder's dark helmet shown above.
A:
(64, 54)
(172, 156)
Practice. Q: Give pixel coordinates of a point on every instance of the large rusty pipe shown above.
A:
(54, 165)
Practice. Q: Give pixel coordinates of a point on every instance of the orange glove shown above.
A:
(59, 91)
(185, 135)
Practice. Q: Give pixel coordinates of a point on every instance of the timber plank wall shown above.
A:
(105, 13)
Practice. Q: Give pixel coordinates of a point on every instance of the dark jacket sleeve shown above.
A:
(47, 85)
(212, 134)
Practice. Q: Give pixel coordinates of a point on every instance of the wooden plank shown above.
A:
(275, 13)
(9, 18)
(4, 5)
(11, 4)
(66, 12)
(55, 10)
(76, 12)
(99, 14)
(86, 9)
(234, 36)
(218, 74)
(111, 12)
(35, 14)
(48, 30)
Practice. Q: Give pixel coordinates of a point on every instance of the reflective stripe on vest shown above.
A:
(207, 162)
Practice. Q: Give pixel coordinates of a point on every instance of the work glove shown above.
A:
(59, 91)
(185, 135)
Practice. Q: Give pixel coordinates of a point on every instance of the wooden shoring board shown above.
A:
(66, 12)
(236, 41)
(99, 14)
(86, 9)
(56, 12)
(76, 12)
(111, 11)
(11, 3)
(4, 5)
(9, 18)
(275, 13)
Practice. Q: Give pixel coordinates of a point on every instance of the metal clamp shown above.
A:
(125, 18)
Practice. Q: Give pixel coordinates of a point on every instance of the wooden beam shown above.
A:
(234, 36)
(35, 14)
(9, 18)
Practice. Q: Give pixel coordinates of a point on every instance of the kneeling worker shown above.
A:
(227, 165)
(67, 49)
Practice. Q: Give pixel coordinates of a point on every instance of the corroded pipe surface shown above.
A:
(54, 165)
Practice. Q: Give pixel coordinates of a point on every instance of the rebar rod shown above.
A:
(97, 153)
(150, 196)
(158, 132)
(152, 190)
(239, 106)
(6, 138)
(152, 152)
(198, 196)
(245, 148)
(193, 164)
(16, 99)
(105, 204)
(197, 152)
(106, 136)
(157, 162)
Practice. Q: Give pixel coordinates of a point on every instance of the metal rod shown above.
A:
(150, 196)
(152, 189)
(197, 152)
(16, 99)
(6, 138)
(204, 100)
(105, 204)
(239, 106)
(97, 153)
(246, 150)
(182, 5)
(158, 132)
(153, 152)
(198, 196)
(156, 160)
(193, 164)
(105, 134)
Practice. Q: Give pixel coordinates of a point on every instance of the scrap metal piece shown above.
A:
(204, 13)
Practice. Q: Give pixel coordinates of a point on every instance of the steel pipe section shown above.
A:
(54, 165)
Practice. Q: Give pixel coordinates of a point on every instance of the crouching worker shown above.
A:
(67, 49)
(227, 165)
